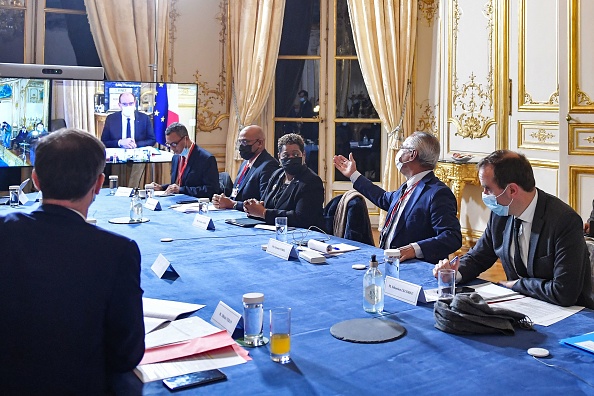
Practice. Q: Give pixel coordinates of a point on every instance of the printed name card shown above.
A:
(404, 291)
(224, 317)
(280, 249)
(23, 197)
(203, 222)
(123, 192)
(161, 266)
(152, 204)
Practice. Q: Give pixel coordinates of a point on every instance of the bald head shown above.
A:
(253, 136)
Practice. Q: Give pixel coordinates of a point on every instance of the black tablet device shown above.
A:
(194, 379)
(245, 222)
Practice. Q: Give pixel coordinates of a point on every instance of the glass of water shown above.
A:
(281, 228)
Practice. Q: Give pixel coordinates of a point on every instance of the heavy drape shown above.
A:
(255, 32)
(78, 99)
(124, 34)
(385, 33)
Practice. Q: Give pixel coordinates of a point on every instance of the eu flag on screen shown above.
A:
(160, 114)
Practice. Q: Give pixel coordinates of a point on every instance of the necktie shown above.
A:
(518, 262)
(128, 130)
(242, 175)
(390, 219)
(180, 169)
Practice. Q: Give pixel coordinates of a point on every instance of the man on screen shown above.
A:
(128, 128)
(73, 296)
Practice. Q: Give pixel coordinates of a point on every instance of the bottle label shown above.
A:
(373, 294)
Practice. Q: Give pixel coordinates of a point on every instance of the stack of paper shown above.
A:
(156, 312)
(584, 342)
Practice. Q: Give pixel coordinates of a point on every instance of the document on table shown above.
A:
(584, 342)
(342, 248)
(492, 292)
(224, 357)
(178, 331)
(540, 312)
(156, 312)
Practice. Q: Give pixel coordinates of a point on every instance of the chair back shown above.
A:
(346, 216)
(590, 245)
(225, 183)
(57, 123)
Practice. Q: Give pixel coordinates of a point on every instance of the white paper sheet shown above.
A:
(540, 312)
(166, 309)
(178, 331)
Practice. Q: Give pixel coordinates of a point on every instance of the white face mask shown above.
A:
(128, 111)
(399, 164)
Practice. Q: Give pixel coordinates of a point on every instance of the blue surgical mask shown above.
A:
(185, 152)
(302, 100)
(490, 202)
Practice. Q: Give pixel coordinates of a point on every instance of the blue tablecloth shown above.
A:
(226, 263)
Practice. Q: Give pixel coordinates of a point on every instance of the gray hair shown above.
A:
(427, 147)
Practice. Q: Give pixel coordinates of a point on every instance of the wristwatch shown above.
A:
(235, 205)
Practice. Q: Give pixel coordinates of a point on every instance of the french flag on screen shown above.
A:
(166, 109)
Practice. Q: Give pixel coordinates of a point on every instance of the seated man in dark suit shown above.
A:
(254, 173)
(294, 191)
(537, 237)
(193, 170)
(128, 128)
(421, 219)
(588, 226)
(70, 290)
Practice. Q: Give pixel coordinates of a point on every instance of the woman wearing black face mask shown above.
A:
(294, 191)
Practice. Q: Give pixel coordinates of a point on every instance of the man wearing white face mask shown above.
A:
(421, 219)
(128, 128)
(537, 237)
(193, 170)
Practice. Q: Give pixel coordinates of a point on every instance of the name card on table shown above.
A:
(152, 204)
(203, 222)
(162, 265)
(123, 192)
(23, 197)
(224, 317)
(404, 291)
(280, 249)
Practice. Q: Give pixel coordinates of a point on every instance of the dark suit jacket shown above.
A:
(429, 217)
(558, 260)
(256, 180)
(201, 176)
(143, 130)
(301, 202)
(72, 304)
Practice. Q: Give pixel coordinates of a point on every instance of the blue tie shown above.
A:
(128, 130)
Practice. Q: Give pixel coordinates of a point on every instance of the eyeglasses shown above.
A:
(174, 144)
(128, 104)
(294, 154)
(246, 142)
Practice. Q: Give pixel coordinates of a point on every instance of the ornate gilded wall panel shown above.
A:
(581, 185)
(581, 139)
(538, 135)
(546, 174)
(538, 87)
(471, 85)
(581, 89)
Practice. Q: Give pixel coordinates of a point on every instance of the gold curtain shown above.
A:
(78, 99)
(124, 34)
(255, 33)
(385, 32)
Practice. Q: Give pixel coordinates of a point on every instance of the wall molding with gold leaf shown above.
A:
(581, 138)
(581, 180)
(538, 135)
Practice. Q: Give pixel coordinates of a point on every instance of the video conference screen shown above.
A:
(24, 118)
(33, 108)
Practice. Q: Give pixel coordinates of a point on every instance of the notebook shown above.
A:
(245, 222)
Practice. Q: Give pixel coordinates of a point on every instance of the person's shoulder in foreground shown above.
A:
(71, 289)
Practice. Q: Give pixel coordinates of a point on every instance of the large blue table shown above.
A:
(226, 263)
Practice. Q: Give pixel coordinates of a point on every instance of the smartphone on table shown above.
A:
(194, 379)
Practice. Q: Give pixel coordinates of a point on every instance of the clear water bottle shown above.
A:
(373, 288)
(136, 207)
(392, 260)
(253, 318)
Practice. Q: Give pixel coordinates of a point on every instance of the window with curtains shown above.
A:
(317, 36)
(46, 32)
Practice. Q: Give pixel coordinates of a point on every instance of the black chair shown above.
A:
(56, 124)
(356, 226)
(225, 183)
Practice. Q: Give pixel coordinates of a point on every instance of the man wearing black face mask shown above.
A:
(294, 191)
(254, 173)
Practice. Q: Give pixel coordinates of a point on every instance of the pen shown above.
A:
(454, 260)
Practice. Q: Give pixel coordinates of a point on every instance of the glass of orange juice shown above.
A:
(280, 335)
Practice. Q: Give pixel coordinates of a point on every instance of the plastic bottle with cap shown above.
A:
(136, 207)
(373, 288)
(392, 260)
(253, 318)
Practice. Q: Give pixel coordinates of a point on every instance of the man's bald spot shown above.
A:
(254, 132)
